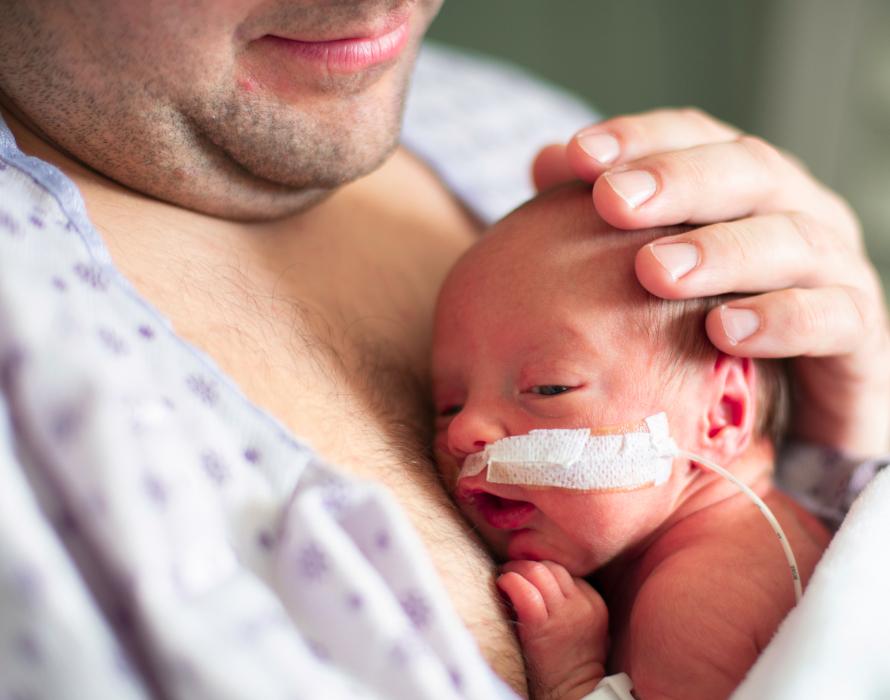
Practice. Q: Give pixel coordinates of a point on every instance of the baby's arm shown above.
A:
(563, 628)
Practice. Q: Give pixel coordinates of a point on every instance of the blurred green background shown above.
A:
(812, 76)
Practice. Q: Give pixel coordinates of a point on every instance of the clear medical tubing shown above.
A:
(767, 513)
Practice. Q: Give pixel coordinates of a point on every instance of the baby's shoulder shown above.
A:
(714, 579)
(730, 554)
(701, 618)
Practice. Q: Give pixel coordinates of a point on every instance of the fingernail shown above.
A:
(603, 148)
(676, 258)
(739, 324)
(633, 186)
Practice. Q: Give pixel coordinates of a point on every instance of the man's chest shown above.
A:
(346, 375)
(328, 329)
(323, 320)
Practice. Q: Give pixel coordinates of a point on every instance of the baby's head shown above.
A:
(543, 324)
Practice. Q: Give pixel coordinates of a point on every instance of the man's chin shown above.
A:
(292, 165)
(257, 206)
(248, 177)
(327, 169)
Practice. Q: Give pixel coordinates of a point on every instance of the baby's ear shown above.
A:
(732, 404)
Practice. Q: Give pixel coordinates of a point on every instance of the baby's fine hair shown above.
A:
(679, 327)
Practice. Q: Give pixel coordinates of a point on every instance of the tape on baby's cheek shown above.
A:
(580, 459)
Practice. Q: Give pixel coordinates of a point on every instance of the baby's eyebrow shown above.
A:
(566, 332)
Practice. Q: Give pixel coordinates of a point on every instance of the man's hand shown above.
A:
(767, 228)
(563, 625)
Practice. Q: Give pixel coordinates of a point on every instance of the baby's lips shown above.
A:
(503, 513)
(470, 486)
(465, 492)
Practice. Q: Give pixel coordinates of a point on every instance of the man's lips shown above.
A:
(352, 51)
(501, 513)
(384, 25)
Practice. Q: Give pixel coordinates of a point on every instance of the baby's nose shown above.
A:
(472, 429)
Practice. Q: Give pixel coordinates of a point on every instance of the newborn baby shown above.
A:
(542, 325)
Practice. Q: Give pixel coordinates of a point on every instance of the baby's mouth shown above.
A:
(500, 513)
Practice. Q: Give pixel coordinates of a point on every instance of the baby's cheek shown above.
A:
(605, 522)
(685, 404)
(582, 514)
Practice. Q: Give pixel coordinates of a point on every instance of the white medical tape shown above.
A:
(579, 459)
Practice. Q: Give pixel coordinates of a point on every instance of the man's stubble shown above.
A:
(183, 126)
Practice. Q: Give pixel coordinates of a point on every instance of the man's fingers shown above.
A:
(790, 322)
(703, 184)
(756, 254)
(551, 168)
(597, 148)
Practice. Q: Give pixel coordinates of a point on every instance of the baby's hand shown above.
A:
(563, 625)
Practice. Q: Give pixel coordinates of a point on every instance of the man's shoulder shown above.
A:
(41, 210)
(478, 122)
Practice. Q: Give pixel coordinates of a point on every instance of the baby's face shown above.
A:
(542, 325)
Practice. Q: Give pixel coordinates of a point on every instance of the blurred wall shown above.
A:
(623, 55)
(812, 76)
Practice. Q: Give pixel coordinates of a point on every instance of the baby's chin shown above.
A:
(533, 546)
(528, 544)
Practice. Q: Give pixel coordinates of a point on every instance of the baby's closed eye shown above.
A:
(550, 389)
(449, 410)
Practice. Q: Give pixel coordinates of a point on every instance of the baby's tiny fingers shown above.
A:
(598, 609)
(567, 584)
(525, 598)
(541, 577)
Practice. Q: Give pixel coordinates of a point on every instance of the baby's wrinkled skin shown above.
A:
(543, 325)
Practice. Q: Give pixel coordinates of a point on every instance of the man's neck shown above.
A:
(32, 141)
